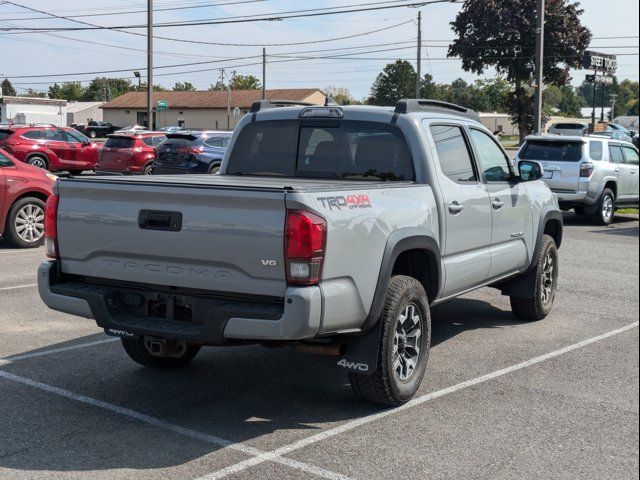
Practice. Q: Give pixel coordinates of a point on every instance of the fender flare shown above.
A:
(401, 241)
(544, 219)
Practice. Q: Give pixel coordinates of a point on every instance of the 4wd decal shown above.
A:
(348, 201)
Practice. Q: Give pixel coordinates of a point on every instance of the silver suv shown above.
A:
(567, 129)
(593, 175)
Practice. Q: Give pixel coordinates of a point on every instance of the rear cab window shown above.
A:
(554, 151)
(346, 149)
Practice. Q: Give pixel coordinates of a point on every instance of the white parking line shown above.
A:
(345, 427)
(156, 422)
(16, 287)
(52, 351)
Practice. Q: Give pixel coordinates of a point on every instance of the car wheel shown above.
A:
(93, 134)
(25, 223)
(38, 161)
(606, 210)
(142, 351)
(148, 169)
(546, 281)
(76, 172)
(215, 168)
(404, 346)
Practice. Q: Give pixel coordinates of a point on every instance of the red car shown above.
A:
(52, 148)
(23, 192)
(133, 153)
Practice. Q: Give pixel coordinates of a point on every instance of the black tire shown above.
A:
(38, 161)
(148, 169)
(599, 217)
(384, 386)
(579, 211)
(537, 307)
(136, 349)
(11, 235)
(214, 168)
(93, 134)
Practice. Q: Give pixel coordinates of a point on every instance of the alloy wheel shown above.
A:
(406, 342)
(548, 278)
(29, 223)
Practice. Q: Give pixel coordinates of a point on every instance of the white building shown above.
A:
(83, 112)
(33, 110)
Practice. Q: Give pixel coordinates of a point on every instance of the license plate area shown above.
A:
(170, 307)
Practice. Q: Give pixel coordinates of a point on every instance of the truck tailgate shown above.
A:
(229, 239)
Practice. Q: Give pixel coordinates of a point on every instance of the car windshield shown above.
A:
(552, 151)
(338, 150)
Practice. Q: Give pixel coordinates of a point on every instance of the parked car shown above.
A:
(621, 128)
(615, 134)
(332, 228)
(191, 152)
(173, 129)
(97, 129)
(131, 129)
(23, 192)
(593, 175)
(570, 129)
(131, 153)
(49, 147)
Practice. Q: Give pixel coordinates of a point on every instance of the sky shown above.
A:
(73, 51)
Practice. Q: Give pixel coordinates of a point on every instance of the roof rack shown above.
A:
(421, 105)
(266, 104)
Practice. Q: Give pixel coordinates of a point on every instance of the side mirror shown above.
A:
(530, 171)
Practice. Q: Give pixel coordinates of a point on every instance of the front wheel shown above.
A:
(159, 353)
(404, 346)
(24, 227)
(546, 281)
(214, 169)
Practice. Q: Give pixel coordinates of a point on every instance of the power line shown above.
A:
(241, 19)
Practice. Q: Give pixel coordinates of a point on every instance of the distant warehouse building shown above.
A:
(83, 112)
(33, 110)
(218, 110)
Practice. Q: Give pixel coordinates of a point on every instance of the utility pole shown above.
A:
(419, 62)
(539, 67)
(150, 64)
(593, 109)
(602, 102)
(613, 105)
(264, 73)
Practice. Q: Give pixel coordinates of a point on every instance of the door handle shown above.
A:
(455, 208)
(617, 170)
(633, 172)
(497, 204)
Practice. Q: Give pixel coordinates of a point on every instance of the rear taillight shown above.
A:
(304, 249)
(51, 226)
(196, 149)
(586, 169)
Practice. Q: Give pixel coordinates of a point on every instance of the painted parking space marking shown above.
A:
(17, 287)
(52, 351)
(345, 427)
(158, 423)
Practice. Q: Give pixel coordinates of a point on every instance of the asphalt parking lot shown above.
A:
(502, 399)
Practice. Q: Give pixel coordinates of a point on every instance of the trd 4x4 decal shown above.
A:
(348, 201)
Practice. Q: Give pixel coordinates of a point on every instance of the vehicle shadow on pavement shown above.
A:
(571, 219)
(242, 394)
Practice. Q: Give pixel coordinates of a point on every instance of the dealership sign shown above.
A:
(599, 62)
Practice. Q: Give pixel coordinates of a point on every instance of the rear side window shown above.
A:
(33, 134)
(453, 153)
(339, 150)
(569, 126)
(615, 153)
(119, 142)
(4, 134)
(630, 156)
(552, 151)
(595, 150)
(4, 161)
(221, 142)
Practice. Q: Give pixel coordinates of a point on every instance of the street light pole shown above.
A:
(150, 64)
(539, 66)
(613, 105)
(419, 62)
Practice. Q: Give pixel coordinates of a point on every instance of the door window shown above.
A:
(615, 152)
(453, 153)
(76, 137)
(4, 161)
(495, 164)
(630, 156)
(54, 135)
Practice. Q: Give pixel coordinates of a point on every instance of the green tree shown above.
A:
(217, 86)
(7, 88)
(397, 80)
(70, 91)
(33, 93)
(244, 82)
(570, 102)
(501, 35)
(184, 87)
(340, 95)
(104, 89)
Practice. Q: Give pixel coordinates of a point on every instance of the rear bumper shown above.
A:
(195, 318)
(577, 198)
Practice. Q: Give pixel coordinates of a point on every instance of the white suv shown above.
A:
(593, 175)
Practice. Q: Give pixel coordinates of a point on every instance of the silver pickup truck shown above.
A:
(332, 229)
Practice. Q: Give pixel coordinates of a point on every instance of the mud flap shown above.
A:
(361, 353)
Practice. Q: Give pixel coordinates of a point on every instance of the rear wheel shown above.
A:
(404, 346)
(160, 353)
(38, 161)
(546, 281)
(606, 208)
(25, 223)
(215, 168)
(93, 134)
(148, 169)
